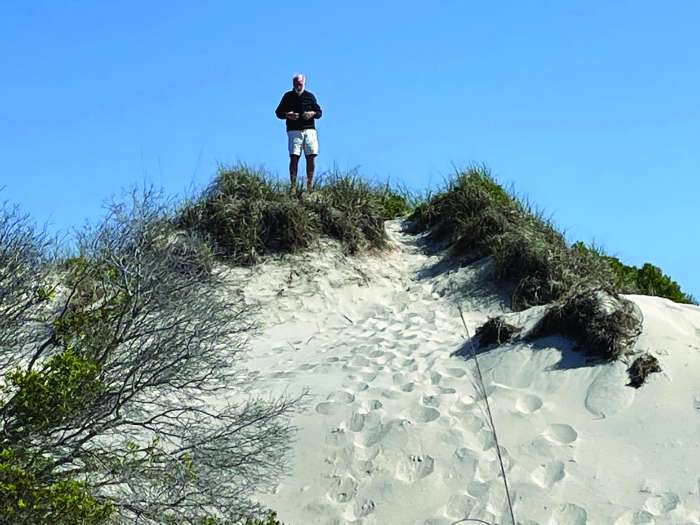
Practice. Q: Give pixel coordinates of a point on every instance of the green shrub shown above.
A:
(647, 280)
(270, 519)
(28, 498)
(54, 394)
(652, 281)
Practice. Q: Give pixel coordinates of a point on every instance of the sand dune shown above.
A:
(396, 433)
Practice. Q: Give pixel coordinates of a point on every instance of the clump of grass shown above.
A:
(640, 369)
(468, 213)
(476, 218)
(246, 213)
(495, 331)
(351, 210)
(602, 323)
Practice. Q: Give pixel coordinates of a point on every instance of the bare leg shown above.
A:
(293, 167)
(310, 166)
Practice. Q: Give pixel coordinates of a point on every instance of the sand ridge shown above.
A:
(396, 431)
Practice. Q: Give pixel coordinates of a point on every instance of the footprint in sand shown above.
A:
(435, 378)
(385, 358)
(408, 387)
(548, 474)
(661, 504)
(329, 408)
(460, 506)
(283, 375)
(607, 394)
(412, 468)
(355, 386)
(359, 361)
(342, 489)
(569, 514)
(486, 439)
(456, 372)
(423, 414)
(341, 397)
(356, 422)
(527, 403)
(465, 403)
(640, 517)
(560, 434)
(390, 394)
(364, 508)
(371, 404)
(478, 489)
(372, 435)
(368, 377)
(431, 401)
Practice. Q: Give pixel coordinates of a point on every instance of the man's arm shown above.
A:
(282, 108)
(316, 108)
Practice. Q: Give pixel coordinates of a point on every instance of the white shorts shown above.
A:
(305, 139)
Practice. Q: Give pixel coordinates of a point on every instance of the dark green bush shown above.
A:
(270, 519)
(27, 497)
(647, 280)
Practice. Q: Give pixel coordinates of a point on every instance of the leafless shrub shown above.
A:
(143, 408)
(23, 277)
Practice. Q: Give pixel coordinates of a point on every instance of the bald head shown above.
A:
(298, 81)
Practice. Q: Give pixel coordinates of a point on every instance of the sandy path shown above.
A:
(394, 433)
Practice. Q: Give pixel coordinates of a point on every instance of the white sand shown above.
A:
(394, 433)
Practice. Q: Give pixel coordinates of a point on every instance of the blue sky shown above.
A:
(590, 109)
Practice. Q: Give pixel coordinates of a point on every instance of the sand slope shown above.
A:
(395, 432)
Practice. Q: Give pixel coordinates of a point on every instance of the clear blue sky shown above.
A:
(589, 108)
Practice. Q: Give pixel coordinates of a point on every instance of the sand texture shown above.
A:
(395, 431)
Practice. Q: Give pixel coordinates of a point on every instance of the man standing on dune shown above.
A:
(299, 109)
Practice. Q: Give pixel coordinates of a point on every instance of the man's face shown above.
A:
(298, 83)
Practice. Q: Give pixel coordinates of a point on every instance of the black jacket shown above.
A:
(298, 103)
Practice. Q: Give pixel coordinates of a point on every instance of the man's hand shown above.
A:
(291, 115)
(308, 114)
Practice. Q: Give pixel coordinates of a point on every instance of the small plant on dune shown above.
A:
(351, 209)
(247, 214)
(495, 331)
(600, 321)
(640, 369)
(468, 213)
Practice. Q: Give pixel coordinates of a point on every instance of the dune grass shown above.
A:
(476, 217)
(246, 213)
